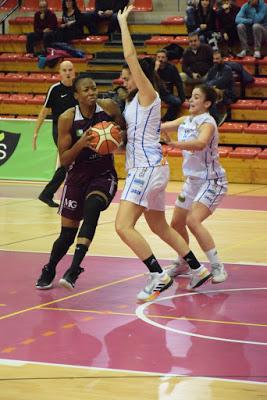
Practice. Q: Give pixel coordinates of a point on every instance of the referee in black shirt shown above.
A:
(59, 98)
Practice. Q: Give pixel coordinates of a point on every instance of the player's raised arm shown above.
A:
(147, 93)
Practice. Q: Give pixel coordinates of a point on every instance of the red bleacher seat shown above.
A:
(38, 99)
(256, 128)
(263, 154)
(30, 5)
(11, 77)
(34, 77)
(245, 152)
(224, 151)
(9, 4)
(232, 127)
(143, 5)
(159, 40)
(18, 98)
(173, 20)
(181, 40)
(247, 104)
(92, 39)
(263, 105)
(260, 82)
(4, 96)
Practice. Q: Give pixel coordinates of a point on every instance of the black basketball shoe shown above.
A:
(46, 278)
(70, 277)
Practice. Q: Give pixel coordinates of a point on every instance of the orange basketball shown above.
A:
(107, 137)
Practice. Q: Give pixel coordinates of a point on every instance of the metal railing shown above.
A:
(11, 11)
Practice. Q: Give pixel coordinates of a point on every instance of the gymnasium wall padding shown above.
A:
(18, 160)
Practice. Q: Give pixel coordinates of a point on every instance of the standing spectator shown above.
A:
(59, 98)
(106, 10)
(45, 21)
(169, 75)
(71, 26)
(252, 19)
(197, 60)
(220, 77)
(226, 23)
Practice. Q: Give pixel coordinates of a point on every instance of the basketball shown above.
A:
(106, 137)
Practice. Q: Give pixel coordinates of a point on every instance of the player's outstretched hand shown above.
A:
(123, 15)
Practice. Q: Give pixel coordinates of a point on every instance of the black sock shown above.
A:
(61, 247)
(191, 260)
(79, 255)
(152, 264)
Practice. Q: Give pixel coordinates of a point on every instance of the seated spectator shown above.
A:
(169, 75)
(105, 10)
(71, 26)
(190, 14)
(197, 60)
(226, 15)
(252, 20)
(45, 21)
(220, 77)
(204, 20)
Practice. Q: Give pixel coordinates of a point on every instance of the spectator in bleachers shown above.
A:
(169, 75)
(190, 12)
(106, 10)
(252, 20)
(45, 21)
(71, 26)
(197, 60)
(226, 15)
(220, 77)
(204, 20)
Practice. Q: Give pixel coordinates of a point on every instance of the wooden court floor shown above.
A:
(97, 343)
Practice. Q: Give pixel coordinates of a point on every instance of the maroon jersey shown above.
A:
(88, 158)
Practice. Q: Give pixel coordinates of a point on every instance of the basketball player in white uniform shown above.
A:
(148, 173)
(206, 182)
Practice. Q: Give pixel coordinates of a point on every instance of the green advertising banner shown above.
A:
(18, 160)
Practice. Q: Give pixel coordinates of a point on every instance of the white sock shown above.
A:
(213, 256)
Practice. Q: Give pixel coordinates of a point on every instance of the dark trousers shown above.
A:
(58, 177)
(32, 39)
(174, 104)
(91, 20)
(52, 186)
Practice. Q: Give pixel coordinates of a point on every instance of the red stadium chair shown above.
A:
(18, 98)
(247, 104)
(259, 128)
(232, 127)
(159, 40)
(173, 21)
(30, 5)
(174, 152)
(38, 99)
(35, 77)
(9, 4)
(143, 5)
(263, 155)
(245, 152)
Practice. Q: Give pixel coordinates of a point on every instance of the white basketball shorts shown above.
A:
(208, 192)
(146, 186)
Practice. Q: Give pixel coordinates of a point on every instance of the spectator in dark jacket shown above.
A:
(226, 23)
(204, 20)
(71, 26)
(220, 77)
(106, 10)
(169, 75)
(45, 21)
(197, 60)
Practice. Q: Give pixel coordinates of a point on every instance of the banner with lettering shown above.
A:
(18, 160)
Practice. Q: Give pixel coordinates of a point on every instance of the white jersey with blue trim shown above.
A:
(203, 164)
(143, 134)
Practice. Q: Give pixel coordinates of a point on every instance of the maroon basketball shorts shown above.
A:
(79, 186)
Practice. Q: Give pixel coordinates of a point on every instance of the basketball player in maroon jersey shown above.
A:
(91, 181)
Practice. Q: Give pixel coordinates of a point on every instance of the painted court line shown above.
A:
(19, 363)
(69, 297)
(144, 317)
(209, 321)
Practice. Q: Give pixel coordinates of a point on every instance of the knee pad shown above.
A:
(92, 209)
(67, 236)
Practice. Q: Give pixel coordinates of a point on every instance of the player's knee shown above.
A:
(92, 209)
(121, 229)
(192, 222)
(67, 236)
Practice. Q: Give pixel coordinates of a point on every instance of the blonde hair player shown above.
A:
(206, 182)
(148, 173)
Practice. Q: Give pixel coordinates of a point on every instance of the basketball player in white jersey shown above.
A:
(206, 182)
(148, 173)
